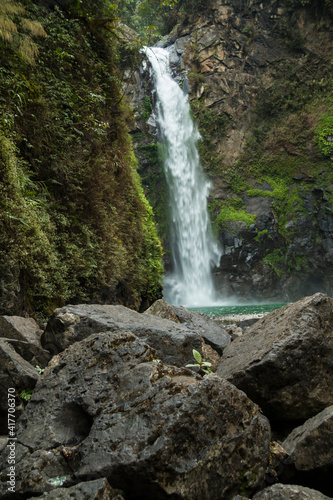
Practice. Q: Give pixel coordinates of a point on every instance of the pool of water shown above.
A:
(237, 309)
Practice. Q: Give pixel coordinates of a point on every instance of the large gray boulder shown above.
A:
(105, 408)
(212, 333)
(310, 449)
(174, 343)
(16, 327)
(284, 361)
(310, 446)
(289, 492)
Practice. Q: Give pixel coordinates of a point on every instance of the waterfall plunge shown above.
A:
(194, 250)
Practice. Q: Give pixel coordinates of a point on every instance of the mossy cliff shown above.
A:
(260, 79)
(75, 225)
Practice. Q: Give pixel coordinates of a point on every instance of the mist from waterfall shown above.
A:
(194, 249)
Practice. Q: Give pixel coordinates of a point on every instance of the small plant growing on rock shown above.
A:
(26, 394)
(203, 366)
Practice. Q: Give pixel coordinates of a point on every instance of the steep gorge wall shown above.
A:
(75, 225)
(259, 78)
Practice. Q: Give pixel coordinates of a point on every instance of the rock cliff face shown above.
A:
(258, 81)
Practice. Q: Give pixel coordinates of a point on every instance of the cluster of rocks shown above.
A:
(117, 414)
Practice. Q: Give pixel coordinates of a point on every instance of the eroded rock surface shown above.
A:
(105, 408)
(284, 361)
(310, 449)
(16, 374)
(16, 327)
(210, 331)
(310, 446)
(69, 324)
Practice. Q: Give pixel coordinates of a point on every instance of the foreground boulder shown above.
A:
(212, 333)
(310, 446)
(106, 408)
(284, 361)
(289, 492)
(310, 449)
(174, 343)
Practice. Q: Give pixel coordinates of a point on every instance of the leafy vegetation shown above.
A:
(19, 38)
(211, 126)
(26, 394)
(230, 210)
(74, 221)
(203, 366)
(324, 135)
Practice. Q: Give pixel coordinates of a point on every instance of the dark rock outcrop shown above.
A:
(284, 361)
(105, 408)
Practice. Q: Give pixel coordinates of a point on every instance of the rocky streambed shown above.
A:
(115, 413)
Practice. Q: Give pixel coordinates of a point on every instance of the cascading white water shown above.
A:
(194, 250)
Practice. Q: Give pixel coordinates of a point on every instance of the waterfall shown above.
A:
(194, 250)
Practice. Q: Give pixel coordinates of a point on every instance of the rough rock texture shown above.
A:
(30, 352)
(15, 373)
(277, 460)
(310, 446)
(210, 331)
(284, 361)
(162, 309)
(16, 327)
(104, 408)
(90, 490)
(289, 492)
(310, 449)
(69, 324)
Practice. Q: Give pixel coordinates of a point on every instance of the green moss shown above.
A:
(276, 261)
(280, 189)
(150, 155)
(74, 220)
(147, 108)
(261, 235)
(211, 126)
(232, 210)
(324, 135)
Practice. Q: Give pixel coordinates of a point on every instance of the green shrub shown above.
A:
(324, 135)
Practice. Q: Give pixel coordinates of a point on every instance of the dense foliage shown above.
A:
(156, 18)
(74, 222)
